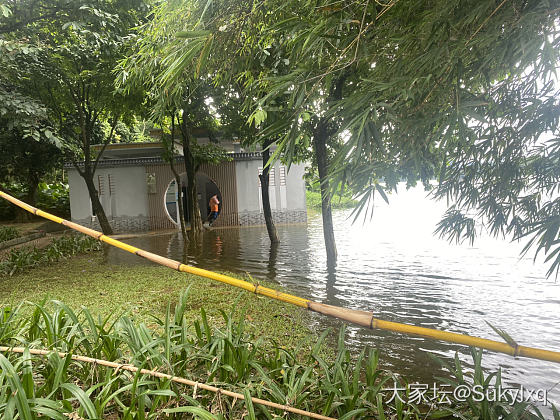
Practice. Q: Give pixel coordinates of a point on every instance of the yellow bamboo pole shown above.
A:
(362, 318)
(177, 379)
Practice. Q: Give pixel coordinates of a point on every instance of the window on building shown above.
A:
(111, 182)
(282, 176)
(100, 185)
(271, 177)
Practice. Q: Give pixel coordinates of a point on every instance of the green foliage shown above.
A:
(345, 201)
(25, 162)
(8, 232)
(21, 116)
(136, 133)
(226, 356)
(5, 11)
(27, 139)
(210, 153)
(22, 259)
(68, 71)
(53, 198)
(515, 198)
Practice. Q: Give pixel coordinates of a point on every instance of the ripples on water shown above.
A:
(395, 268)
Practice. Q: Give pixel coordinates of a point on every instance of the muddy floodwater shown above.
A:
(394, 267)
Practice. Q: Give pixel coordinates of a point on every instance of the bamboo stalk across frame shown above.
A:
(358, 317)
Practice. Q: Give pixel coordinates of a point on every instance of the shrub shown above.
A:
(337, 202)
(8, 233)
(25, 258)
(53, 198)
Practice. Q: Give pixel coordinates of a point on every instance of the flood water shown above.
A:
(394, 267)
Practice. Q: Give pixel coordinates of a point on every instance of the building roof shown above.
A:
(149, 153)
(143, 161)
(133, 150)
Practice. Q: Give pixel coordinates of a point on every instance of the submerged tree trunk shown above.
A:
(320, 144)
(265, 180)
(191, 169)
(192, 199)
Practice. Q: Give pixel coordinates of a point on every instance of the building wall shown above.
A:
(224, 176)
(286, 191)
(80, 205)
(247, 183)
(122, 192)
(296, 187)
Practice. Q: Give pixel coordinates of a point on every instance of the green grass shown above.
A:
(145, 291)
(338, 202)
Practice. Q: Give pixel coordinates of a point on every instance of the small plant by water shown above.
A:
(8, 233)
(21, 259)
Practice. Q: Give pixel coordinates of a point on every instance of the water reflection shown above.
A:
(394, 267)
(272, 260)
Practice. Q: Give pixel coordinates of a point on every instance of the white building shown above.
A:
(138, 192)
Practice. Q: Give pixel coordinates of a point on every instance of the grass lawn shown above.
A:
(146, 291)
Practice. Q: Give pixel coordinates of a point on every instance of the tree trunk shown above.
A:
(182, 223)
(272, 258)
(170, 147)
(320, 144)
(88, 173)
(33, 186)
(23, 216)
(190, 169)
(192, 200)
(265, 178)
(95, 203)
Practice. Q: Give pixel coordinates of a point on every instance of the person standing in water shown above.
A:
(214, 209)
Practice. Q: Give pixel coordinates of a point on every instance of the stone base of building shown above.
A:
(125, 224)
(120, 224)
(257, 218)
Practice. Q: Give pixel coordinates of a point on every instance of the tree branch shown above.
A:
(106, 142)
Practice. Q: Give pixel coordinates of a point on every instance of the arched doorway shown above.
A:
(205, 187)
